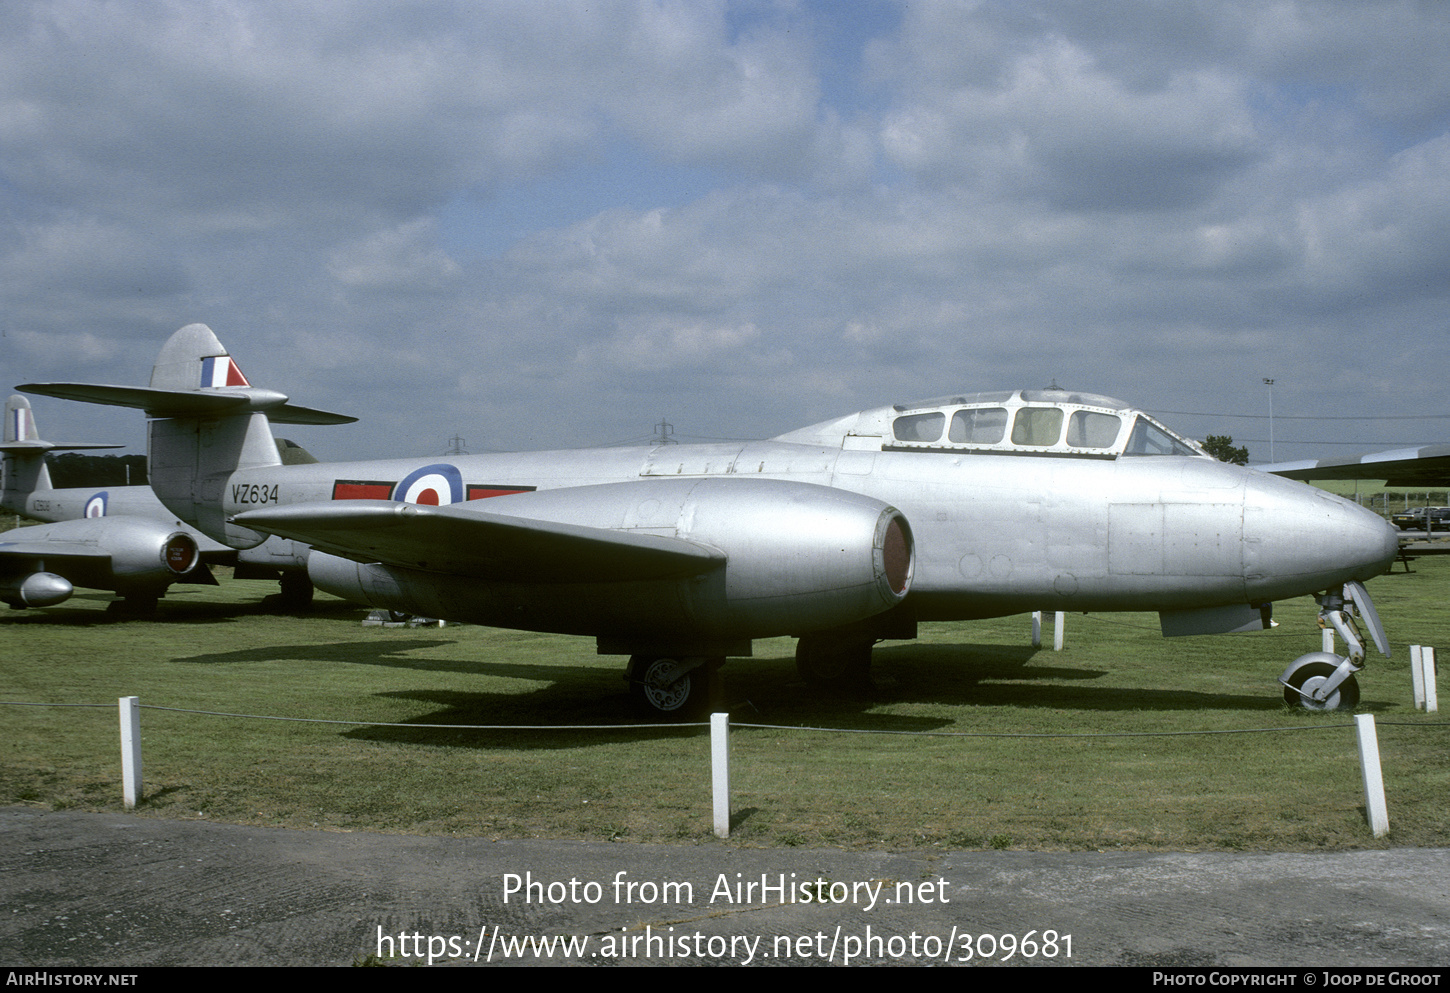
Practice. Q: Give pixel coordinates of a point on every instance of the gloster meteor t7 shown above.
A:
(843, 534)
(117, 538)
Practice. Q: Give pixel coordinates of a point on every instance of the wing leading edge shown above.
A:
(464, 541)
(1428, 466)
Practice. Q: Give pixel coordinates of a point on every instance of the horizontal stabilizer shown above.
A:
(190, 403)
(20, 436)
(20, 447)
(460, 540)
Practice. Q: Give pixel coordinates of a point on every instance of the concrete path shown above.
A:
(119, 890)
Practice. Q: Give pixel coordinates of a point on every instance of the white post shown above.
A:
(720, 771)
(1417, 677)
(1059, 622)
(1374, 783)
(1037, 629)
(130, 707)
(1432, 693)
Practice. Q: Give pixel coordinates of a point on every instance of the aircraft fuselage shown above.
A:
(995, 534)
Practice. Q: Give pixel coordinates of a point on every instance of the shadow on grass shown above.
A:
(977, 675)
(768, 691)
(553, 709)
(391, 654)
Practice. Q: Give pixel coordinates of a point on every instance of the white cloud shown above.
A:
(403, 259)
(1146, 199)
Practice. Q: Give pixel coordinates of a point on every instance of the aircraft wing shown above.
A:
(28, 550)
(1428, 466)
(33, 553)
(465, 541)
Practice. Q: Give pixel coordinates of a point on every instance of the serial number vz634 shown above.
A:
(253, 493)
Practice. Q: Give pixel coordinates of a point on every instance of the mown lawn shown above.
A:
(1070, 765)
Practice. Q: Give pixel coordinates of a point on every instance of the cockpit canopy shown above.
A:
(1049, 422)
(1032, 422)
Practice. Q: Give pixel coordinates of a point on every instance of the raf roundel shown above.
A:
(96, 504)
(433, 485)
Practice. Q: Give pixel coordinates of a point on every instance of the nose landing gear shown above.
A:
(1323, 680)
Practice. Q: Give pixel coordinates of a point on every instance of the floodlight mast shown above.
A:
(1270, 384)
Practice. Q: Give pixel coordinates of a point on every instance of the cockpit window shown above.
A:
(1090, 429)
(1037, 427)
(919, 427)
(978, 426)
(1149, 439)
(1047, 423)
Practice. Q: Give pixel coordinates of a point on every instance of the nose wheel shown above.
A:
(1322, 680)
(1314, 682)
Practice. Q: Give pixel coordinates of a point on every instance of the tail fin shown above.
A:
(23, 452)
(19, 421)
(207, 422)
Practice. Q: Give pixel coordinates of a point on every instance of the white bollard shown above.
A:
(1059, 622)
(1417, 677)
(720, 771)
(1374, 783)
(130, 707)
(1427, 665)
(1037, 629)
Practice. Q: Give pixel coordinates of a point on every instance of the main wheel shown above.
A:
(133, 606)
(1311, 676)
(835, 661)
(661, 691)
(295, 591)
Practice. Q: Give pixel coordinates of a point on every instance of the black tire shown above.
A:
(1311, 674)
(296, 591)
(835, 661)
(133, 606)
(657, 696)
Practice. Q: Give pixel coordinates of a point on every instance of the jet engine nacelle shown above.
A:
(795, 557)
(130, 555)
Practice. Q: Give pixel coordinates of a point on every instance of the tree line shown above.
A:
(79, 470)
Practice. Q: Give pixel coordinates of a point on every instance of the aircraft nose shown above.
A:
(1299, 539)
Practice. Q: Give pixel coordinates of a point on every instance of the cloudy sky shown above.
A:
(538, 224)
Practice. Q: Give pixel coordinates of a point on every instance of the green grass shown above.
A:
(214, 649)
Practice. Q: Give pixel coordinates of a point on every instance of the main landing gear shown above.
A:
(1323, 680)
(836, 660)
(672, 688)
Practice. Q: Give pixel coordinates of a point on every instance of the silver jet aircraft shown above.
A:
(117, 538)
(843, 534)
(137, 557)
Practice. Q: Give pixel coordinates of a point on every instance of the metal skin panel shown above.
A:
(191, 464)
